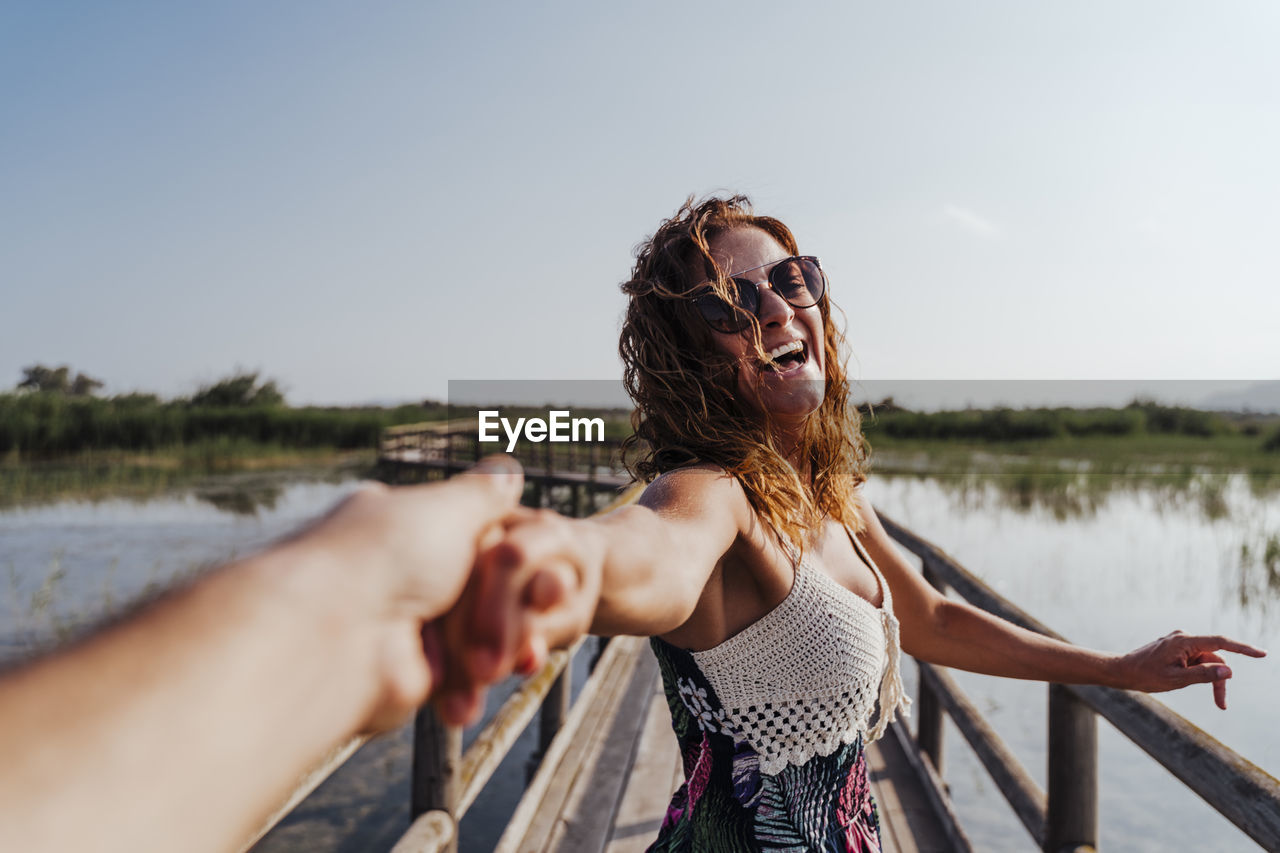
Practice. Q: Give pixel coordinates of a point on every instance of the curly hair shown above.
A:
(684, 387)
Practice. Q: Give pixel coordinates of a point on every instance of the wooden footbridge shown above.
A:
(609, 761)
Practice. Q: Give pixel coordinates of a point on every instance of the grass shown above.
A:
(97, 475)
(1145, 454)
(45, 424)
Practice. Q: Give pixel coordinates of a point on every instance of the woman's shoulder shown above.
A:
(699, 490)
(696, 475)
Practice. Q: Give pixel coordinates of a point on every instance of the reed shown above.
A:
(45, 425)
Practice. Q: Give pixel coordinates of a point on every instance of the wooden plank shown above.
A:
(590, 809)
(601, 681)
(308, 783)
(1025, 797)
(656, 773)
(595, 724)
(490, 747)
(432, 832)
(907, 822)
(931, 789)
(895, 814)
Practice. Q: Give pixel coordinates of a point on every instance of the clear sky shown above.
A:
(366, 201)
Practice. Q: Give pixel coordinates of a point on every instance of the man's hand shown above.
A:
(407, 553)
(534, 589)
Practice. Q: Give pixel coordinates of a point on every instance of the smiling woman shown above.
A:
(777, 605)
(708, 343)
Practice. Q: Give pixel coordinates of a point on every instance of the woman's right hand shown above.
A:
(534, 587)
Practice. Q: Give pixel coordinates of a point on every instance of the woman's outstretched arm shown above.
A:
(957, 634)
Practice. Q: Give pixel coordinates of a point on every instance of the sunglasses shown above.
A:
(799, 280)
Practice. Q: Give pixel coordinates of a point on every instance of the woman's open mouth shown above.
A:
(786, 358)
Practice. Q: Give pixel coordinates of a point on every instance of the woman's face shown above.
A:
(790, 385)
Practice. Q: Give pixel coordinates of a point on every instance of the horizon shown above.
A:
(1233, 397)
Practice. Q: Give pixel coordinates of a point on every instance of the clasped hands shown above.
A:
(439, 584)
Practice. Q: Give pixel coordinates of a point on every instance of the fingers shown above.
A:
(1201, 674)
(1226, 644)
(488, 489)
(1219, 673)
(460, 707)
(1206, 668)
(528, 591)
(530, 574)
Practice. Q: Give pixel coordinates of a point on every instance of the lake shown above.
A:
(1110, 562)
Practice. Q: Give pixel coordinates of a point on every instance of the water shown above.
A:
(1110, 564)
(67, 564)
(1114, 571)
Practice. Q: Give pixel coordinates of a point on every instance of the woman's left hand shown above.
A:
(1178, 660)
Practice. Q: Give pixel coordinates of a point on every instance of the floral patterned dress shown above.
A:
(773, 759)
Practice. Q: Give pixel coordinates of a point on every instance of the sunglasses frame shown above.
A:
(739, 310)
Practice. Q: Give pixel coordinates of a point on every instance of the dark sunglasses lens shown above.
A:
(720, 315)
(799, 281)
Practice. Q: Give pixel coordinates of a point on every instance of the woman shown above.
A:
(776, 602)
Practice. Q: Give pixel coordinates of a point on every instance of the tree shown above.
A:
(38, 377)
(238, 390)
(84, 386)
(57, 380)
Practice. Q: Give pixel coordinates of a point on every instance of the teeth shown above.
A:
(778, 352)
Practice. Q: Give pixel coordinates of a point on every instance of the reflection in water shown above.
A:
(144, 479)
(1259, 580)
(1077, 489)
(241, 501)
(1235, 501)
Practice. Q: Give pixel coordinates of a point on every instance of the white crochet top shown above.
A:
(805, 677)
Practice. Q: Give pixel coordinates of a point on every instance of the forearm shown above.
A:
(145, 729)
(644, 590)
(959, 635)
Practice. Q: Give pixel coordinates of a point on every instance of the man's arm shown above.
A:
(183, 725)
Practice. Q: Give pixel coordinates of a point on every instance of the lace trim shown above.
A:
(805, 678)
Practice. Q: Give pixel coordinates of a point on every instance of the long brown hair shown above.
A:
(688, 410)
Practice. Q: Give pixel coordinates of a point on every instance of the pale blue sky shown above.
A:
(367, 201)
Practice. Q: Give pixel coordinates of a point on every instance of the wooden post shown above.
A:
(929, 725)
(1073, 773)
(437, 753)
(555, 707)
(601, 644)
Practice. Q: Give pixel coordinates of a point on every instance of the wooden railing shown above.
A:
(566, 476)
(1066, 818)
